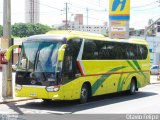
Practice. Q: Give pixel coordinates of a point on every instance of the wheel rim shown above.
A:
(133, 87)
(84, 94)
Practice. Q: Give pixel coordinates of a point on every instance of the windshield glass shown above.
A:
(39, 56)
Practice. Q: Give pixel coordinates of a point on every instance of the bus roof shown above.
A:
(76, 34)
(86, 35)
(68, 34)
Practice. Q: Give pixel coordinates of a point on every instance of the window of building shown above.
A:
(158, 23)
(158, 29)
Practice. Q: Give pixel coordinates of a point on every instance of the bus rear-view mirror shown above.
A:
(61, 52)
(23, 63)
(14, 67)
(6, 54)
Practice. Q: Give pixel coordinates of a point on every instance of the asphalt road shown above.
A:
(147, 100)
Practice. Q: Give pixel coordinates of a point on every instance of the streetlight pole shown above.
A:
(6, 42)
(66, 16)
(148, 27)
(87, 14)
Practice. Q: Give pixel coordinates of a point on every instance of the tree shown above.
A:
(27, 29)
(41, 29)
(1, 30)
(20, 30)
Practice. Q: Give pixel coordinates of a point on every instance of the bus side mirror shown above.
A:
(14, 67)
(24, 63)
(9, 51)
(61, 52)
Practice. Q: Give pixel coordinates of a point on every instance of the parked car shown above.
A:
(154, 70)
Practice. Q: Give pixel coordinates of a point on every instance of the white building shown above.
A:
(158, 29)
(32, 11)
(77, 25)
(154, 46)
(99, 29)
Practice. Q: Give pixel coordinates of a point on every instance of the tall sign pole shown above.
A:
(119, 16)
(6, 42)
(66, 16)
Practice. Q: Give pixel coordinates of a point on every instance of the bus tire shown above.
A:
(84, 95)
(133, 87)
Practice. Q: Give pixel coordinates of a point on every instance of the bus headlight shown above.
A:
(52, 88)
(18, 87)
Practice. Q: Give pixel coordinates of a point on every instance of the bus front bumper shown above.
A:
(38, 92)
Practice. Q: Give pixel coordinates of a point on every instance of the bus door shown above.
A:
(70, 69)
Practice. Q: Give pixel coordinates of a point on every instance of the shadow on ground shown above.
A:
(74, 106)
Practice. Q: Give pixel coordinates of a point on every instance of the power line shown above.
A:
(90, 9)
(66, 9)
(144, 20)
(94, 18)
(145, 10)
(90, 3)
(77, 7)
(149, 4)
(87, 14)
(136, 7)
(66, 15)
(48, 6)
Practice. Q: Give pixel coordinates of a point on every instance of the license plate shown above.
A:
(33, 94)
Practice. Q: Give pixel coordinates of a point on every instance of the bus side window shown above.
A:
(143, 51)
(90, 51)
(70, 67)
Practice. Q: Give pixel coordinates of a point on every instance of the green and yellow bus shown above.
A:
(69, 65)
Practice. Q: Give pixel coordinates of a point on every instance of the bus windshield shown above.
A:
(39, 56)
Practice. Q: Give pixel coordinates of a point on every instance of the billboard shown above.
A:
(119, 10)
(4, 42)
(119, 15)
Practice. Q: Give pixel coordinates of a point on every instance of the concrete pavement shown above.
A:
(153, 80)
(13, 98)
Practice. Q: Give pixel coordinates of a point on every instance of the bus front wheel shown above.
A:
(132, 89)
(84, 95)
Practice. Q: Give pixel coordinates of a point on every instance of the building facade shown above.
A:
(77, 25)
(154, 46)
(79, 19)
(32, 11)
(99, 29)
(158, 29)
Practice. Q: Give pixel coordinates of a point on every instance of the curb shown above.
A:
(154, 83)
(15, 100)
(158, 82)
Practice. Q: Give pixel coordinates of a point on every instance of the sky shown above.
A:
(52, 11)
